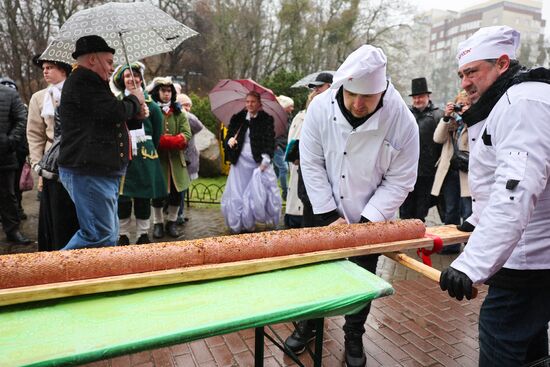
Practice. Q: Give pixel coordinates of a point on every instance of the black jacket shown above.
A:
(429, 150)
(13, 126)
(262, 136)
(94, 137)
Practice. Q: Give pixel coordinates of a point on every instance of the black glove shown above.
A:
(466, 227)
(456, 282)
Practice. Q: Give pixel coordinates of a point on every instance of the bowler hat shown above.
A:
(89, 44)
(321, 79)
(62, 65)
(419, 86)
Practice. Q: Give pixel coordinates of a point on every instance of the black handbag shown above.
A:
(47, 167)
(460, 158)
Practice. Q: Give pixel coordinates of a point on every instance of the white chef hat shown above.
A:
(363, 72)
(488, 43)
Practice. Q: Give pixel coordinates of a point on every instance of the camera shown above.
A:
(457, 107)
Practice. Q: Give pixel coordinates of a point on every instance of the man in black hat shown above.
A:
(427, 116)
(321, 83)
(94, 150)
(57, 220)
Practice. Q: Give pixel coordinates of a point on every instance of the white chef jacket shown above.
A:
(514, 222)
(367, 171)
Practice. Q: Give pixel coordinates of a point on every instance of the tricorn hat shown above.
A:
(89, 44)
(321, 79)
(63, 65)
(419, 86)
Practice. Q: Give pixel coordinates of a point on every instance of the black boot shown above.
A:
(172, 229)
(158, 230)
(355, 353)
(143, 239)
(123, 240)
(17, 238)
(304, 333)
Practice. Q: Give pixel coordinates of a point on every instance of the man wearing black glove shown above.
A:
(358, 155)
(457, 283)
(509, 178)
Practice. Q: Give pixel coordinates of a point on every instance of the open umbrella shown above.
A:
(228, 98)
(134, 30)
(309, 78)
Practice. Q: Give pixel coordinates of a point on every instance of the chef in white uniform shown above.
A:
(359, 152)
(509, 248)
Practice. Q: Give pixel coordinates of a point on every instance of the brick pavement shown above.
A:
(418, 326)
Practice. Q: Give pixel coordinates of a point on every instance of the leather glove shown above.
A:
(456, 283)
(466, 227)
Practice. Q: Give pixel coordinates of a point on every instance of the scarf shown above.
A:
(516, 74)
(51, 100)
(165, 107)
(355, 122)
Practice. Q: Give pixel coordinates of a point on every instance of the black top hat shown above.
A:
(321, 79)
(63, 65)
(89, 44)
(419, 86)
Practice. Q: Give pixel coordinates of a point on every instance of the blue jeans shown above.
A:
(281, 168)
(513, 326)
(96, 202)
(451, 196)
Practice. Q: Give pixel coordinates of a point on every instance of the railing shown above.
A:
(204, 194)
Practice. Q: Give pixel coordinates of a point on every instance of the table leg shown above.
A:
(317, 357)
(259, 347)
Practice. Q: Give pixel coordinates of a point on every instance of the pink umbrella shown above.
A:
(228, 98)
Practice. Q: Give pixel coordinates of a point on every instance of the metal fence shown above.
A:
(204, 194)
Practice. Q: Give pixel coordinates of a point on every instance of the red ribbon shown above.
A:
(424, 253)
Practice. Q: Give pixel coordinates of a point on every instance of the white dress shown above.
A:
(250, 195)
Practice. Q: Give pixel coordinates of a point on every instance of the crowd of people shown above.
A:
(357, 154)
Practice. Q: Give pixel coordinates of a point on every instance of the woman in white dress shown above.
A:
(250, 196)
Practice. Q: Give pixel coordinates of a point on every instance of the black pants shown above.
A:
(142, 207)
(173, 198)
(355, 324)
(57, 220)
(8, 201)
(418, 201)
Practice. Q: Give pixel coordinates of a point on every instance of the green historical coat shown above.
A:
(173, 161)
(144, 177)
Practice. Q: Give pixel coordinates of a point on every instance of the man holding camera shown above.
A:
(427, 116)
(509, 174)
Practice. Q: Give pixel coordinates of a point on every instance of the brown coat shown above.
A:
(39, 130)
(441, 136)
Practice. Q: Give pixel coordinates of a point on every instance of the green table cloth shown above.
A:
(88, 328)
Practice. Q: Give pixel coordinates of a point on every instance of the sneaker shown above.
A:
(355, 353)
(123, 240)
(303, 334)
(143, 239)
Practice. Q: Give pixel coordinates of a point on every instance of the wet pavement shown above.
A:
(418, 326)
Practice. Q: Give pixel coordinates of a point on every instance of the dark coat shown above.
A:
(429, 150)
(262, 136)
(13, 126)
(94, 137)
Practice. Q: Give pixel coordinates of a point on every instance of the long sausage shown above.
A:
(18, 270)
